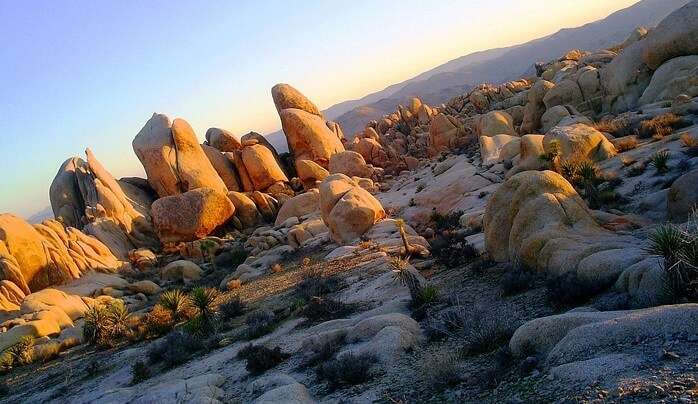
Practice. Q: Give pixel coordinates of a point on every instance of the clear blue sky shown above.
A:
(77, 74)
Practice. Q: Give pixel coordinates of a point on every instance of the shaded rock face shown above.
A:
(538, 218)
(223, 166)
(683, 196)
(347, 209)
(173, 158)
(444, 134)
(35, 257)
(191, 215)
(86, 196)
(245, 209)
(299, 206)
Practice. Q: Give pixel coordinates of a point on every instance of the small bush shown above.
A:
(427, 295)
(486, 331)
(441, 368)
(615, 127)
(177, 348)
(259, 323)
(158, 321)
(659, 160)
(347, 370)
(453, 251)
(106, 325)
(517, 280)
(260, 358)
(205, 301)
(323, 353)
(47, 351)
(324, 308)
(178, 303)
(678, 248)
(232, 308)
(19, 354)
(661, 126)
(448, 221)
(688, 141)
(139, 372)
(566, 290)
(625, 144)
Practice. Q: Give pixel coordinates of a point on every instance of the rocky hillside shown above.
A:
(533, 241)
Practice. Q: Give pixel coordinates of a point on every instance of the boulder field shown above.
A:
(530, 241)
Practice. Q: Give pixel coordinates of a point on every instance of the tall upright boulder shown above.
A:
(223, 166)
(308, 136)
(173, 158)
(286, 96)
(222, 140)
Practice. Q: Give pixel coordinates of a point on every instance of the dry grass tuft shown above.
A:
(625, 143)
(660, 126)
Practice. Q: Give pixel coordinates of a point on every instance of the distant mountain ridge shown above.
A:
(455, 77)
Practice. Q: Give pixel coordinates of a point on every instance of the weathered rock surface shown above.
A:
(347, 209)
(192, 215)
(683, 196)
(222, 140)
(285, 96)
(351, 164)
(223, 166)
(299, 206)
(579, 142)
(308, 137)
(262, 168)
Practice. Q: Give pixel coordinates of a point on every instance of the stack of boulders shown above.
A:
(35, 257)
(84, 195)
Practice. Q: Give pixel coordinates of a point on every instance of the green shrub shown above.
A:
(205, 301)
(259, 358)
(175, 349)
(660, 161)
(567, 290)
(106, 325)
(347, 370)
(178, 303)
(440, 368)
(486, 331)
(678, 249)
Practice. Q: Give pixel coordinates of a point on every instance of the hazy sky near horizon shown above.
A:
(77, 74)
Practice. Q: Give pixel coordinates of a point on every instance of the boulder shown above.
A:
(192, 215)
(173, 158)
(223, 166)
(495, 123)
(351, 164)
(244, 177)
(245, 209)
(299, 206)
(287, 97)
(308, 137)
(579, 142)
(675, 77)
(347, 209)
(444, 133)
(683, 196)
(371, 150)
(494, 149)
(262, 168)
(534, 109)
(565, 92)
(553, 116)
(674, 36)
(222, 140)
(181, 271)
(530, 150)
(310, 173)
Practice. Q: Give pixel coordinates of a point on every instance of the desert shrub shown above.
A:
(552, 155)
(314, 283)
(47, 351)
(259, 323)
(625, 144)
(661, 126)
(448, 221)
(232, 308)
(18, 354)
(678, 249)
(324, 308)
(688, 141)
(486, 331)
(106, 325)
(159, 321)
(323, 353)
(347, 370)
(139, 372)
(453, 250)
(566, 290)
(427, 295)
(516, 280)
(659, 160)
(177, 348)
(440, 368)
(259, 358)
(568, 169)
(615, 127)
(178, 303)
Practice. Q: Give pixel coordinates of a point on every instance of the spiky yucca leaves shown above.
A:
(568, 169)
(402, 274)
(205, 301)
(178, 303)
(106, 325)
(659, 160)
(552, 156)
(679, 251)
(19, 354)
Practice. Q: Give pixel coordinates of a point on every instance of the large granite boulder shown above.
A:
(191, 215)
(261, 166)
(308, 136)
(495, 123)
(350, 163)
(683, 196)
(173, 158)
(444, 134)
(675, 77)
(299, 206)
(223, 166)
(222, 140)
(347, 209)
(285, 96)
(579, 142)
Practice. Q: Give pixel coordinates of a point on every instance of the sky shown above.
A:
(77, 74)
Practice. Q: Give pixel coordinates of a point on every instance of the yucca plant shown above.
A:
(402, 274)
(205, 301)
(679, 252)
(588, 176)
(659, 160)
(552, 155)
(105, 325)
(177, 302)
(568, 169)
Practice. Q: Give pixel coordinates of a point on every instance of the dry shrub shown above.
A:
(46, 352)
(688, 141)
(625, 143)
(440, 368)
(260, 358)
(615, 127)
(348, 369)
(661, 126)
